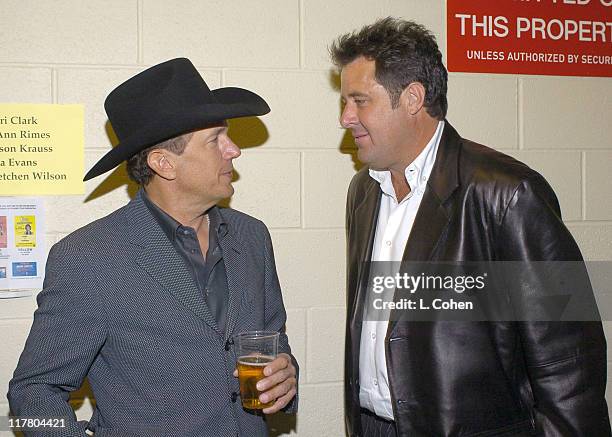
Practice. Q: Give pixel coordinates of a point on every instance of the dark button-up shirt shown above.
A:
(208, 271)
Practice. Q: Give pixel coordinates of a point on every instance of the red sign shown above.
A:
(553, 37)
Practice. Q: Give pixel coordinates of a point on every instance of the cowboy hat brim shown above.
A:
(231, 102)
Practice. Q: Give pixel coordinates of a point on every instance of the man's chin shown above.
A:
(363, 157)
(367, 160)
(224, 194)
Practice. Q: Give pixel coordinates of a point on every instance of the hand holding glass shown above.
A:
(255, 350)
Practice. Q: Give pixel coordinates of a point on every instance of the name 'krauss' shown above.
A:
(35, 149)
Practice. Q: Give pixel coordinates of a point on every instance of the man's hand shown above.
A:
(279, 384)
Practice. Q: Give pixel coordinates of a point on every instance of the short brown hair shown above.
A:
(404, 52)
(137, 167)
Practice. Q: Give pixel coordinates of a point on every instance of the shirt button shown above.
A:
(388, 243)
(375, 382)
(373, 336)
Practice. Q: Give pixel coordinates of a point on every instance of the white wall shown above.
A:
(75, 51)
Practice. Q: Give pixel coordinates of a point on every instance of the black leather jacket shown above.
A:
(478, 378)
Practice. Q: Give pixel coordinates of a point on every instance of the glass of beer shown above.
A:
(254, 349)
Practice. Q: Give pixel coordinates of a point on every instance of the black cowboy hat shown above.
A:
(165, 101)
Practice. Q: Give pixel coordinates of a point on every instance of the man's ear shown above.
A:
(413, 97)
(162, 163)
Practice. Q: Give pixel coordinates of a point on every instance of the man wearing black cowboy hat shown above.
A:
(148, 316)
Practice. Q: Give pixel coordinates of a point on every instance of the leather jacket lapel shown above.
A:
(436, 206)
(363, 230)
(435, 210)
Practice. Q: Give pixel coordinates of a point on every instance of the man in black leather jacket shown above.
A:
(427, 194)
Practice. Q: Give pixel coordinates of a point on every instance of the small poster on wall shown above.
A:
(41, 149)
(22, 251)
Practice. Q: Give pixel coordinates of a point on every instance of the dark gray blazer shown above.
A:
(120, 307)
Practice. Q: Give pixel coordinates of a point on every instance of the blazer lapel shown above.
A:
(161, 261)
(235, 263)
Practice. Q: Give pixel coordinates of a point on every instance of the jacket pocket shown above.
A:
(519, 429)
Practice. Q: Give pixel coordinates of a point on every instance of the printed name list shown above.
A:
(41, 149)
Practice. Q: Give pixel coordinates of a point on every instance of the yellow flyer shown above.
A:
(41, 149)
(25, 231)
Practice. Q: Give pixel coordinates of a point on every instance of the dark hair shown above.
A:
(404, 52)
(137, 168)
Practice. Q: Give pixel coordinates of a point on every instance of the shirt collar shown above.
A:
(417, 172)
(170, 226)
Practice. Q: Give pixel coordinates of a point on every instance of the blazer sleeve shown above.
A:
(275, 315)
(66, 335)
(565, 361)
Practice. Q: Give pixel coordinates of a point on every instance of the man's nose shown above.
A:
(348, 116)
(230, 149)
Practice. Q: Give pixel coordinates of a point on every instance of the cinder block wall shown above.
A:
(295, 165)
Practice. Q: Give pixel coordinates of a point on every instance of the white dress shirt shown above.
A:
(395, 220)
